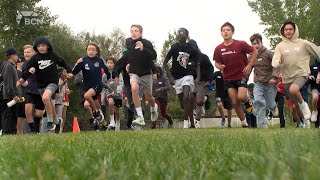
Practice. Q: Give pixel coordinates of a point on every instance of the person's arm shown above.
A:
(78, 66)
(149, 50)
(105, 68)
(104, 81)
(166, 84)
(63, 63)
(78, 79)
(8, 81)
(218, 60)
(166, 67)
(26, 72)
(277, 58)
(254, 53)
(275, 71)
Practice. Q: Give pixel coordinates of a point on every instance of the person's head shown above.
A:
(42, 45)
(227, 31)
(288, 29)
(194, 44)
(93, 50)
(62, 73)
(136, 31)
(182, 35)
(110, 63)
(256, 41)
(12, 55)
(20, 62)
(28, 52)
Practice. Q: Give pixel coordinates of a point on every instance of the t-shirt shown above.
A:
(234, 57)
(184, 59)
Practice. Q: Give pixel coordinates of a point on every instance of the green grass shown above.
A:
(164, 154)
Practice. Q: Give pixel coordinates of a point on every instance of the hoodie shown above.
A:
(263, 70)
(161, 83)
(45, 65)
(141, 62)
(296, 54)
(10, 78)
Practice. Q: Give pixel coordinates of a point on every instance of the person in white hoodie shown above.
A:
(292, 56)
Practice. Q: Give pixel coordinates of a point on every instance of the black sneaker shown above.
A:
(51, 126)
(207, 104)
(229, 126)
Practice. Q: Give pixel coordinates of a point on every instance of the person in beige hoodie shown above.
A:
(292, 56)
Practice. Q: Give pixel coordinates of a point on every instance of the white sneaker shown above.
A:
(186, 124)
(275, 112)
(304, 108)
(102, 116)
(196, 124)
(244, 123)
(139, 121)
(117, 125)
(61, 123)
(314, 116)
(154, 114)
(307, 124)
(112, 124)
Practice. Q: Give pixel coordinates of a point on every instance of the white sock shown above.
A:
(139, 111)
(205, 98)
(151, 108)
(112, 119)
(49, 118)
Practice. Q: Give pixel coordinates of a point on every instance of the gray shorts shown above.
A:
(300, 81)
(52, 87)
(200, 89)
(145, 82)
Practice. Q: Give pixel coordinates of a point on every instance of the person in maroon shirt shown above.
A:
(231, 58)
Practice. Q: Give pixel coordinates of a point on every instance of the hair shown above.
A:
(286, 23)
(60, 71)
(184, 30)
(256, 36)
(112, 59)
(95, 45)
(137, 26)
(27, 46)
(227, 24)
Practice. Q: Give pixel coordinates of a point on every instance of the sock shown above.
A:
(205, 98)
(31, 125)
(37, 121)
(139, 111)
(49, 118)
(151, 108)
(112, 120)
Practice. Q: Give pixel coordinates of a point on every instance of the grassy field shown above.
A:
(164, 154)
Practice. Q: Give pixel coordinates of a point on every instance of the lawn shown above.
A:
(164, 154)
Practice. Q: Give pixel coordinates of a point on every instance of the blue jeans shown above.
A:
(264, 97)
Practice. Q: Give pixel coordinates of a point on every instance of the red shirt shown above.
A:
(280, 85)
(234, 57)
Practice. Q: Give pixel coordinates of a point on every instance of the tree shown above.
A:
(172, 38)
(305, 13)
(21, 22)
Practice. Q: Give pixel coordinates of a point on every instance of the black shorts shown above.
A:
(20, 108)
(236, 83)
(97, 89)
(117, 103)
(34, 99)
(226, 101)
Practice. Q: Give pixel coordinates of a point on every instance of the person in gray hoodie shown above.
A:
(265, 82)
(160, 89)
(8, 116)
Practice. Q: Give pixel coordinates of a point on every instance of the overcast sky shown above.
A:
(202, 18)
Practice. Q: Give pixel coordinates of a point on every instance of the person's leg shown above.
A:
(270, 97)
(229, 115)
(46, 98)
(64, 118)
(233, 94)
(20, 123)
(219, 105)
(296, 96)
(88, 97)
(163, 108)
(188, 107)
(111, 112)
(259, 104)
(315, 98)
(280, 100)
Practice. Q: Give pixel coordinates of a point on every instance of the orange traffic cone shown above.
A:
(75, 127)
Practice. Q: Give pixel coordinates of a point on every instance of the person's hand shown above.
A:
(20, 82)
(312, 78)
(69, 75)
(196, 81)
(32, 70)
(68, 91)
(128, 67)
(158, 90)
(207, 83)
(139, 45)
(79, 60)
(17, 99)
(220, 66)
(318, 78)
(272, 81)
(25, 84)
(154, 76)
(247, 69)
(281, 60)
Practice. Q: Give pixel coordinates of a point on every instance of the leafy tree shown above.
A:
(172, 38)
(305, 13)
(21, 22)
